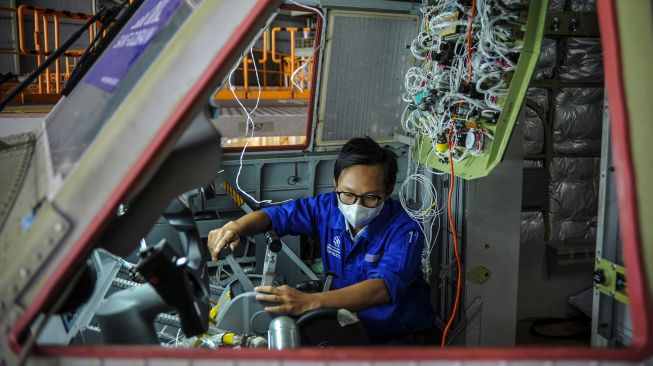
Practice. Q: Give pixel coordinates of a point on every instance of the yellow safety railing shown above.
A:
(42, 19)
(45, 21)
(289, 83)
(290, 78)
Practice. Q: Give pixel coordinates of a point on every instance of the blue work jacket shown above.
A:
(389, 248)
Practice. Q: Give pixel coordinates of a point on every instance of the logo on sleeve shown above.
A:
(334, 247)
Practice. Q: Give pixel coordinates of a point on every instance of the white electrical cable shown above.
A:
(446, 82)
(292, 77)
(249, 125)
(315, 10)
(428, 211)
(177, 339)
(318, 12)
(425, 214)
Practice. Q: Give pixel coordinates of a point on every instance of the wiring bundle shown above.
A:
(467, 54)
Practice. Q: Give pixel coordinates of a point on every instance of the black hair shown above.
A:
(365, 151)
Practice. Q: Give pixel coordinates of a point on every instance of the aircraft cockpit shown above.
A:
(197, 170)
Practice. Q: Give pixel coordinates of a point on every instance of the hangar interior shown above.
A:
(533, 202)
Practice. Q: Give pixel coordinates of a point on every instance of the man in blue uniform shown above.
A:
(368, 241)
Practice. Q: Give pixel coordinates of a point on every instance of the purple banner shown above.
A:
(128, 46)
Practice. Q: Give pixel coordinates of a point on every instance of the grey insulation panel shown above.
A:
(532, 227)
(533, 164)
(571, 229)
(539, 96)
(557, 5)
(574, 5)
(364, 75)
(547, 60)
(583, 5)
(582, 60)
(533, 126)
(573, 197)
(577, 121)
(533, 133)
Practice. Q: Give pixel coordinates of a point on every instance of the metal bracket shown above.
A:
(610, 280)
(479, 275)
(273, 247)
(240, 201)
(107, 273)
(238, 271)
(570, 24)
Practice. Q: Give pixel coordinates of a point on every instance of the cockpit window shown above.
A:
(266, 102)
(75, 122)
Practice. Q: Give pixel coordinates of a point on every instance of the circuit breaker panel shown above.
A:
(475, 60)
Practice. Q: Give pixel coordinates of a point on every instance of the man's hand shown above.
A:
(251, 224)
(229, 234)
(291, 301)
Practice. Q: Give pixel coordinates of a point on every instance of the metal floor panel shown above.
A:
(265, 111)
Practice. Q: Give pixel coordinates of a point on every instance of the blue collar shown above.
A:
(351, 233)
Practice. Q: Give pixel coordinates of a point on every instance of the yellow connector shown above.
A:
(228, 339)
(442, 147)
(213, 313)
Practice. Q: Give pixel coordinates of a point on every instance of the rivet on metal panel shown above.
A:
(614, 266)
(612, 293)
(24, 272)
(58, 227)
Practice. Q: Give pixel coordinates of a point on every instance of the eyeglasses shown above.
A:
(368, 200)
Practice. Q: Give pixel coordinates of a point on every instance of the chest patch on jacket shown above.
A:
(333, 248)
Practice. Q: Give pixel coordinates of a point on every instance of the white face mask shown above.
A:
(357, 215)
